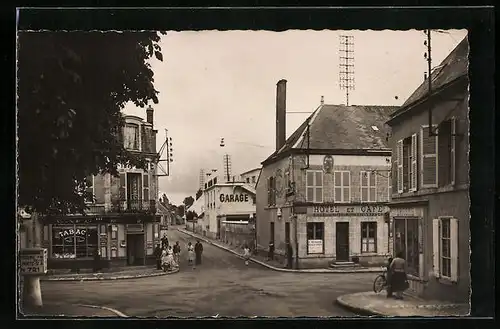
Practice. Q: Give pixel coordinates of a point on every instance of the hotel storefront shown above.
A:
(73, 242)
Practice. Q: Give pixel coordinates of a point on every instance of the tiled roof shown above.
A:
(342, 127)
(452, 67)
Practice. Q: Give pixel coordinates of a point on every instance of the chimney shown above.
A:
(280, 114)
(149, 114)
(322, 100)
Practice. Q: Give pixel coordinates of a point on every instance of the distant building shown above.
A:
(325, 189)
(430, 195)
(121, 222)
(251, 176)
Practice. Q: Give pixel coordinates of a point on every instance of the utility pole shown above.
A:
(428, 56)
(346, 64)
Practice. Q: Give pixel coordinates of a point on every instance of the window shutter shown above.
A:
(268, 191)
(436, 236)
(123, 187)
(428, 158)
(453, 152)
(413, 168)
(454, 248)
(399, 154)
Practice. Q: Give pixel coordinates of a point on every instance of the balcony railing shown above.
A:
(133, 206)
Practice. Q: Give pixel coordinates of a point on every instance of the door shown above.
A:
(135, 249)
(271, 231)
(287, 232)
(342, 242)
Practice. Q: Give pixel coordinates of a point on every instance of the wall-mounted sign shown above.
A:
(78, 235)
(33, 261)
(346, 210)
(328, 164)
(407, 212)
(314, 246)
(233, 197)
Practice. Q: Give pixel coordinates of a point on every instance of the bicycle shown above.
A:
(380, 282)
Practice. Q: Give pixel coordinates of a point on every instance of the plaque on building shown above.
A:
(328, 164)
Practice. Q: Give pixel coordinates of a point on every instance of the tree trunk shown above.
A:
(32, 294)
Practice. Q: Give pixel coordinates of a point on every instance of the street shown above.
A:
(222, 286)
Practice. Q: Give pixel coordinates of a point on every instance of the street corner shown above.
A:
(362, 303)
(103, 277)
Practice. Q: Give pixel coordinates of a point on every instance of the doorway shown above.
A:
(271, 233)
(342, 242)
(135, 249)
(287, 232)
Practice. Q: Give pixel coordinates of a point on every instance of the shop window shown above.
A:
(368, 186)
(314, 186)
(342, 186)
(406, 240)
(315, 238)
(368, 237)
(74, 241)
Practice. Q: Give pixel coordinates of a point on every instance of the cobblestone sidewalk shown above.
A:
(370, 303)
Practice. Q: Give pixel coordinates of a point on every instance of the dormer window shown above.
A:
(131, 136)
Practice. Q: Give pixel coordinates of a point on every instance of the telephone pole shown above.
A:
(346, 64)
(428, 57)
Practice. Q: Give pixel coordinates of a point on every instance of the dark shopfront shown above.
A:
(72, 242)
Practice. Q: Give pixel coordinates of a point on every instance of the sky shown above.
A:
(222, 84)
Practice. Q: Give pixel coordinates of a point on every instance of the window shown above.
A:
(428, 158)
(342, 186)
(74, 241)
(406, 240)
(406, 159)
(446, 153)
(368, 186)
(368, 237)
(271, 191)
(145, 186)
(315, 236)
(253, 179)
(248, 179)
(445, 248)
(131, 136)
(314, 186)
(89, 189)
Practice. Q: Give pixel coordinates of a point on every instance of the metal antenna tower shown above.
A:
(164, 170)
(346, 64)
(227, 166)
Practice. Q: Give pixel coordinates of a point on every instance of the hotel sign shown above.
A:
(348, 210)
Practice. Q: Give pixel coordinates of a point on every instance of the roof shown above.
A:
(249, 171)
(341, 127)
(161, 209)
(454, 66)
(198, 206)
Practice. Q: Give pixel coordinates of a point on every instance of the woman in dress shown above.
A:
(246, 254)
(398, 280)
(190, 250)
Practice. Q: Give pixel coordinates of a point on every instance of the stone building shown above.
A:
(121, 221)
(325, 189)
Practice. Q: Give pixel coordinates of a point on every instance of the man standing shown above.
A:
(289, 255)
(158, 256)
(198, 250)
(270, 253)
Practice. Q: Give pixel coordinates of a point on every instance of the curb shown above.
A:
(368, 270)
(356, 309)
(100, 278)
(109, 309)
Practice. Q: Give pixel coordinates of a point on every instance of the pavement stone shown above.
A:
(71, 310)
(276, 265)
(370, 303)
(121, 275)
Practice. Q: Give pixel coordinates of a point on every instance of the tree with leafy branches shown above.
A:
(72, 88)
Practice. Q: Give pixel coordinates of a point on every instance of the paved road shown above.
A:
(222, 285)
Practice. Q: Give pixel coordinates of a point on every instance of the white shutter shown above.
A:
(453, 152)
(399, 154)
(454, 248)
(435, 246)
(428, 158)
(413, 165)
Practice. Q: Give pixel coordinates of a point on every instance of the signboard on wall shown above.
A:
(238, 197)
(33, 261)
(314, 246)
(348, 210)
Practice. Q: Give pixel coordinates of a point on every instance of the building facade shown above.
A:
(429, 211)
(325, 190)
(121, 221)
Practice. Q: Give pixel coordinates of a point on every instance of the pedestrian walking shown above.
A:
(157, 253)
(270, 253)
(164, 241)
(289, 255)
(198, 250)
(388, 278)
(399, 281)
(190, 249)
(246, 254)
(177, 252)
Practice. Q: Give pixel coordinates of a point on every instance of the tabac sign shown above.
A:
(347, 210)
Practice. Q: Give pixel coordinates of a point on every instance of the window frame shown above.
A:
(314, 230)
(88, 254)
(315, 187)
(363, 238)
(368, 187)
(442, 239)
(137, 139)
(342, 186)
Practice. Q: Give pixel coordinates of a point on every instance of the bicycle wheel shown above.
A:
(379, 283)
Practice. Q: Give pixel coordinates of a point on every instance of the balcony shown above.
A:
(134, 206)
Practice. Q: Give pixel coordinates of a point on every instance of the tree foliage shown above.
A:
(191, 215)
(72, 87)
(188, 201)
(180, 210)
